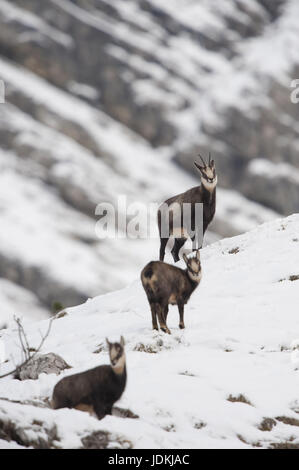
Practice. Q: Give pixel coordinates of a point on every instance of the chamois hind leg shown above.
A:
(99, 409)
(154, 317)
(178, 244)
(163, 243)
(196, 246)
(160, 312)
(165, 313)
(181, 312)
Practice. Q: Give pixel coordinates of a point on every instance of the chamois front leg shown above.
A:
(163, 326)
(99, 409)
(163, 243)
(194, 244)
(181, 312)
(165, 313)
(178, 243)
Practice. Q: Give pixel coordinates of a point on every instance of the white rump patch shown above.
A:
(179, 232)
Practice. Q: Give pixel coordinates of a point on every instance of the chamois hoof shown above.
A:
(166, 330)
(182, 326)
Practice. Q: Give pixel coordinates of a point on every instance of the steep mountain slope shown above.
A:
(104, 99)
(180, 73)
(228, 380)
(49, 192)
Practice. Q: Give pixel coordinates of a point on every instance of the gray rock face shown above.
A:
(42, 364)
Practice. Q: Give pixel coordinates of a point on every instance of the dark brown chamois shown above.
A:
(95, 390)
(166, 284)
(172, 223)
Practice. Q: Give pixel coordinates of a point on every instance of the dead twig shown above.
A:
(26, 349)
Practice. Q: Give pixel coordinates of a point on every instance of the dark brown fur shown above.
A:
(196, 195)
(93, 390)
(165, 284)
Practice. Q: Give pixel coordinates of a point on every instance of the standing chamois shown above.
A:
(175, 224)
(95, 390)
(165, 284)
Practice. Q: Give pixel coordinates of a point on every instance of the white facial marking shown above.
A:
(195, 274)
(117, 363)
(209, 186)
(194, 264)
(113, 353)
(195, 277)
(209, 172)
(119, 366)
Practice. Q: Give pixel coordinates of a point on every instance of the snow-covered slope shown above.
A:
(52, 232)
(228, 380)
(15, 299)
(103, 97)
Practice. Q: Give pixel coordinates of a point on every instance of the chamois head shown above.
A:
(117, 355)
(193, 266)
(207, 173)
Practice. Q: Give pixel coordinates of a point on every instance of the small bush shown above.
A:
(239, 398)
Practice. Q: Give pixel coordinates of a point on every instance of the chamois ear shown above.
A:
(198, 255)
(212, 164)
(122, 341)
(200, 168)
(107, 341)
(185, 258)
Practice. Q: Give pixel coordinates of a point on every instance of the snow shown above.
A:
(242, 328)
(19, 302)
(192, 57)
(208, 81)
(281, 37)
(251, 214)
(194, 14)
(46, 225)
(270, 170)
(81, 89)
(193, 84)
(13, 13)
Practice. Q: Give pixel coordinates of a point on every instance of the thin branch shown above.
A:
(25, 338)
(22, 338)
(28, 355)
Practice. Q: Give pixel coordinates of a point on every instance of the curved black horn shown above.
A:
(204, 163)
(209, 158)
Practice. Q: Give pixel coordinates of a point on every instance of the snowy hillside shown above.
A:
(229, 380)
(107, 98)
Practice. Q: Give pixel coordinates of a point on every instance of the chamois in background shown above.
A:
(170, 213)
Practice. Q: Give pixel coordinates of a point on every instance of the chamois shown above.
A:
(175, 224)
(166, 284)
(95, 390)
